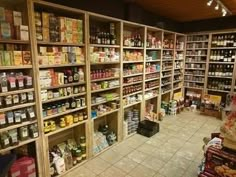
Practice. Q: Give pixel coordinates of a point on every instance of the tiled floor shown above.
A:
(174, 152)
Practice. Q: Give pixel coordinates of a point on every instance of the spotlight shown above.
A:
(217, 7)
(209, 2)
(224, 12)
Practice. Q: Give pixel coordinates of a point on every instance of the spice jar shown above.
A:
(63, 107)
(78, 155)
(44, 112)
(75, 118)
(59, 108)
(78, 102)
(54, 109)
(23, 133)
(62, 122)
(33, 131)
(5, 142)
(81, 117)
(13, 136)
(3, 122)
(10, 118)
(49, 111)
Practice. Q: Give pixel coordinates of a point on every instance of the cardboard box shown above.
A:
(17, 58)
(45, 34)
(62, 24)
(6, 32)
(22, 32)
(7, 58)
(17, 18)
(45, 19)
(2, 14)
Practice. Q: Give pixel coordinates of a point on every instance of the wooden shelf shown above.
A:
(166, 76)
(64, 113)
(177, 81)
(132, 94)
(131, 75)
(222, 48)
(102, 151)
(17, 92)
(134, 48)
(164, 60)
(168, 91)
(196, 55)
(130, 135)
(177, 74)
(13, 41)
(153, 72)
(168, 83)
(21, 143)
(150, 61)
(132, 83)
(151, 88)
(179, 50)
(102, 90)
(197, 41)
(165, 70)
(167, 49)
(148, 48)
(59, 44)
(196, 68)
(11, 127)
(219, 62)
(194, 87)
(149, 98)
(63, 98)
(61, 65)
(153, 79)
(200, 82)
(102, 102)
(132, 104)
(203, 62)
(177, 68)
(17, 107)
(105, 114)
(224, 91)
(127, 62)
(104, 46)
(64, 85)
(106, 63)
(16, 67)
(197, 49)
(58, 129)
(194, 75)
(177, 88)
(225, 77)
(105, 79)
(178, 59)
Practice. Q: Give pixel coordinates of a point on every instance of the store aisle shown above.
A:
(174, 152)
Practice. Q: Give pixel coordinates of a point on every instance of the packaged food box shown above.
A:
(17, 58)
(5, 30)
(17, 18)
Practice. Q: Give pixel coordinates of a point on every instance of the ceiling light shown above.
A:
(209, 2)
(217, 7)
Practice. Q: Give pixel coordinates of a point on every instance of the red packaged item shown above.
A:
(23, 167)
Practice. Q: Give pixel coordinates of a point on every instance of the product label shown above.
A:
(6, 141)
(32, 115)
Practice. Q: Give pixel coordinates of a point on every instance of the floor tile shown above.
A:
(153, 163)
(83, 172)
(97, 165)
(122, 149)
(171, 171)
(112, 172)
(137, 156)
(126, 164)
(142, 171)
(111, 156)
(146, 148)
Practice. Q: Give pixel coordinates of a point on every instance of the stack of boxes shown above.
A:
(132, 119)
(11, 25)
(58, 29)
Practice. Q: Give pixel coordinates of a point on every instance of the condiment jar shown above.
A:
(62, 122)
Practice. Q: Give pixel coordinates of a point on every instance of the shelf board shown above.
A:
(168, 91)
(105, 114)
(17, 92)
(131, 134)
(63, 98)
(165, 70)
(132, 83)
(225, 77)
(168, 83)
(153, 79)
(132, 104)
(197, 41)
(219, 62)
(102, 90)
(149, 98)
(11, 127)
(224, 91)
(61, 65)
(179, 50)
(177, 68)
(102, 102)
(196, 48)
(220, 48)
(200, 82)
(13, 41)
(102, 151)
(73, 168)
(177, 74)
(153, 72)
(106, 63)
(104, 45)
(150, 48)
(196, 68)
(177, 81)
(131, 75)
(139, 61)
(196, 55)
(151, 88)
(166, 76)
(21, 143)
(132, 94)
(64, 85)
(58, 129)
(17, 107)
(138, 48)
(164, 60)
(105, 79)
(194, 75)
(150, 61)
(179, 59)
(194, 87)
(204, 62)
(59, 43)
(16, 67)
(177, 88)
(64, 113)
(167, 49)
